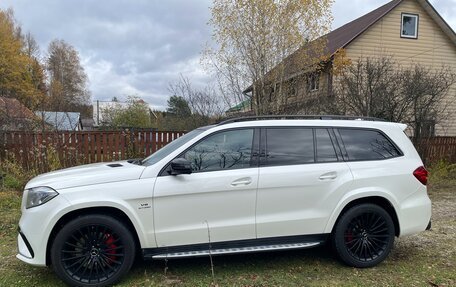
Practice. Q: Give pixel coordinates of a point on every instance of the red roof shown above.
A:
(14, 109)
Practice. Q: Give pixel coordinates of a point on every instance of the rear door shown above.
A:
(301, 177)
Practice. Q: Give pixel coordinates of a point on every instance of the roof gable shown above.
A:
(345, 34)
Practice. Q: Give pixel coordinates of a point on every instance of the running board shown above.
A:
(222, 251)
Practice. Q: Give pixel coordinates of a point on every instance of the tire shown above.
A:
(92, 250)
(363, 236)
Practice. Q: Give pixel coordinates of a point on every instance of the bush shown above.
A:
(441, 172)
(14, 176)
(10, 182)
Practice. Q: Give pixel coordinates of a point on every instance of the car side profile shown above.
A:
(244, 185)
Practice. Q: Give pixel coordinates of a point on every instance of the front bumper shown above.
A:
(23, 246)
(35, 227)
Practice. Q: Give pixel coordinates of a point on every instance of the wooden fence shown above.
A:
(435, 149)
(66, 149)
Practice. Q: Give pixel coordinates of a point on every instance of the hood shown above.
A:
(87, 175)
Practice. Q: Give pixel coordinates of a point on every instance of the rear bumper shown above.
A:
(415, 213)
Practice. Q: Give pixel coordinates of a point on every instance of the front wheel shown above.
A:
(364, 235)
(93, 250)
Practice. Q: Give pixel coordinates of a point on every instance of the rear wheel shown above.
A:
(364, 235)
(93, 250)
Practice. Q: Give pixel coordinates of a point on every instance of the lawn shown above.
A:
(426, 259)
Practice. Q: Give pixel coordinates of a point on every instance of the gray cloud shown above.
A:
(139, 47)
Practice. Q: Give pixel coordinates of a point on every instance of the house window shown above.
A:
(409, 26)
(427, 129)
(291, 88)
(313, 82)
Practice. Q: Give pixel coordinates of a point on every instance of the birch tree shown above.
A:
(67, 79)
(254, 42)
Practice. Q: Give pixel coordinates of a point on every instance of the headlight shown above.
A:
(39, 195)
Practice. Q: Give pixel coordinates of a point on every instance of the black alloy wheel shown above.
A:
(364, 235)
(93, 250)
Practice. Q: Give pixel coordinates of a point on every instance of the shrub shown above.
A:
(441, 172)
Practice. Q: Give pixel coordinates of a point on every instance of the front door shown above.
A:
(216, 202)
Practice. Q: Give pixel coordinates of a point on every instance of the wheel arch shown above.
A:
(105, 210)
(377, 200)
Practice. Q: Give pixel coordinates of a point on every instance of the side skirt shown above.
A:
(234, 247)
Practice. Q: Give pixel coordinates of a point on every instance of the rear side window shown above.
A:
(288, 146)
(325, 147)
(367, 145)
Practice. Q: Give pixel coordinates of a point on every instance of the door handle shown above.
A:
(242, 181)
(328, 175)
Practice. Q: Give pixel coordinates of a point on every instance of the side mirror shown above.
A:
(180, 166)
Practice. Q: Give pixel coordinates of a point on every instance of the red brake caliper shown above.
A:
(348, 236)
(110, 246)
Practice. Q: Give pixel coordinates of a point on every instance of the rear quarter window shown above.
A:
(367, 145)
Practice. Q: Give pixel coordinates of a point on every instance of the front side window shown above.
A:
(172, 146)
(409, 26)
(367, 145)
(289, 146)
(221, 151)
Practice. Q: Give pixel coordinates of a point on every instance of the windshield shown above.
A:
(172, 146)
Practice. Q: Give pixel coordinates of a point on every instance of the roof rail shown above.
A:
(298, 117)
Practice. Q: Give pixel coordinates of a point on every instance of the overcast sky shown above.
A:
(137, 47)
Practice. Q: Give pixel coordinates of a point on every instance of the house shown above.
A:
(99, 108)
(87, 124)
(15, 116)
(243, 108)
(61, 121)
(102, 110)
(410, 31)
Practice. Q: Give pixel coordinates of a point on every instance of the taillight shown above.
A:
(421, 174)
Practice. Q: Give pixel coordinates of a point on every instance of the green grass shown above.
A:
(426, 259)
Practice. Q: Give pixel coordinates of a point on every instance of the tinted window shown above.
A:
(367, 145)
(287, 146)
(172, 146)
(224, 150)
(325, 147)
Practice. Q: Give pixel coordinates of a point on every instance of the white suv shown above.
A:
(244, 185)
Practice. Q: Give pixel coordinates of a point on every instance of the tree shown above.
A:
(427, 90)
(21, 74)
(135, 115)
(255, 39)
(178, 107)
(205, 101)
(380, 87)
(67, 79)
(191, 107)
